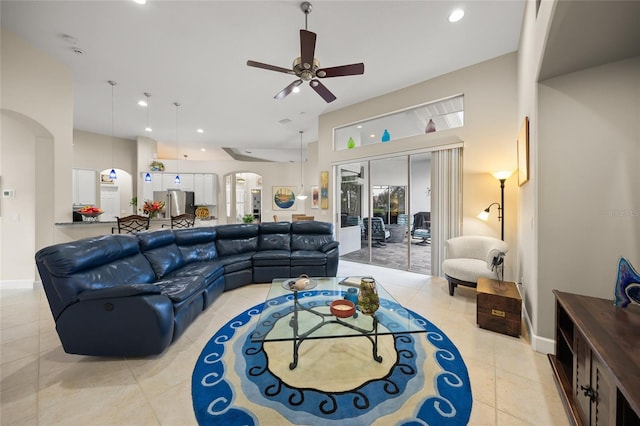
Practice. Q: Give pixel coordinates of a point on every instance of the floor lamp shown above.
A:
(484, 215)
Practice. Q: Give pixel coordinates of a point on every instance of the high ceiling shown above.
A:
(195, 53)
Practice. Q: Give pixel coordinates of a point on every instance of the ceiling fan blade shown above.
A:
(340, 71)
(269, 67)
(285, 92)
(307, 47)
(322, 90)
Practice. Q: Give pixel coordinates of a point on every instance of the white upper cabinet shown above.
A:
(84, 186)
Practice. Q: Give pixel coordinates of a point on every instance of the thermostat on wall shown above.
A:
(8, 193)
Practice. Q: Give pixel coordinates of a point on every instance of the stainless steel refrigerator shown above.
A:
(176, 202)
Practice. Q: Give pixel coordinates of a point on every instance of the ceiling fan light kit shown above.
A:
(307, 68)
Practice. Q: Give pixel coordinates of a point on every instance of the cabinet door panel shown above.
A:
(581, 377)
(604, 407)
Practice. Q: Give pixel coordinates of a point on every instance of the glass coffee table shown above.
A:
(299, 315)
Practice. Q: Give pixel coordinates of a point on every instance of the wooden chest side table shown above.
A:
(499, 306)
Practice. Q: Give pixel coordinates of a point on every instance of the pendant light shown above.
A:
(301, 196)
(112, 173)
(177, 179)
(147, 176)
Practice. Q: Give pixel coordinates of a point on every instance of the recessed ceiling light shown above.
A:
(372, 135)
(140, 1)
(148, 129)
(142, 103)
(200, 131)
(456, 15)
(203, 149)
(359, 126)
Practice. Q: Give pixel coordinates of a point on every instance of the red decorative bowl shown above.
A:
(342, 308)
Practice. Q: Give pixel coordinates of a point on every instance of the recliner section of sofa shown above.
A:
(132, 295)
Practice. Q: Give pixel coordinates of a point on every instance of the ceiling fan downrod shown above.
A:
(306, 8)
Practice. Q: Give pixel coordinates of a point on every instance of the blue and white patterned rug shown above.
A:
(421, 381)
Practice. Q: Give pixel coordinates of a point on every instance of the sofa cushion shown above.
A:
(161, 251)
(310, 235)
(197, 244)
(308, 257)
(274, 236)
(236, 239)
(180, 289)
(271, 258)
(210, 271)
(465, 269)
(237, 262)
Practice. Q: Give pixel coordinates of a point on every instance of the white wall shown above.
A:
(489, 135)
(578, 210)
(589, 184)
(37, 108)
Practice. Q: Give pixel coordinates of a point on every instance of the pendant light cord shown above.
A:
(177, 104)
(112, 174)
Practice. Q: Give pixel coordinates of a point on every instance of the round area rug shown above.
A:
(421, 380)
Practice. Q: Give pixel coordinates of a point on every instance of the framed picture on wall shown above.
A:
(324, 189)
(523, 152)
(284, 198)
(315, 197)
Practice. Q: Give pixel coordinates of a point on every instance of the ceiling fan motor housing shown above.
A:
(305, 71)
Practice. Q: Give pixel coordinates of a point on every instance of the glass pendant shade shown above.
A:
(112, 174)
(177, 180)
(147, 177)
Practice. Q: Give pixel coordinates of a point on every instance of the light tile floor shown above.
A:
(42, 385)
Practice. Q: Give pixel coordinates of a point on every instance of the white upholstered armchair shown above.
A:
(469, 258)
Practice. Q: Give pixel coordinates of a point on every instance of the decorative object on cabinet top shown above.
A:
(627, 288)
(156, 166)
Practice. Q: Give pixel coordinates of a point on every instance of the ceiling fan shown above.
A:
(307, 68)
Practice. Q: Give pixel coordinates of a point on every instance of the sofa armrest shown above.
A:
(329, 246)
(119, 291)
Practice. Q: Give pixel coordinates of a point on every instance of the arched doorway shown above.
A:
(27, 168)
(243, 197)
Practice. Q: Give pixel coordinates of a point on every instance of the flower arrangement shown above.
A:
(151, 208)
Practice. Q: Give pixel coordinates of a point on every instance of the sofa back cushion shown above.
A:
(69, 269)
(197, 244)
(274, 236)
(310, 235)
(160, 249)
(236, 239)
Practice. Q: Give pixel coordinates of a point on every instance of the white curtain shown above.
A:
(446, 202)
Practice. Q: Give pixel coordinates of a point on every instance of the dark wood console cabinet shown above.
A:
(597, 360)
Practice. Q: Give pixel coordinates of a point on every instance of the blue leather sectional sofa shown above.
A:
(132, 295)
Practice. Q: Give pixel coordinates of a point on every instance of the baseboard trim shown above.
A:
(17, 284)
(538, 343)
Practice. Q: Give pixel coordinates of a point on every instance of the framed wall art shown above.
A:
(523, 152)
(315, 197)
(324, 190)
(284, 198)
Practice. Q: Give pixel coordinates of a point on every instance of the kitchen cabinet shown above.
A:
(186, 181)
(597, 360)
(206, 189)
(84, 186)
(204, 185)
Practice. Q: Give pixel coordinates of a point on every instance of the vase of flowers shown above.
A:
(152, 208)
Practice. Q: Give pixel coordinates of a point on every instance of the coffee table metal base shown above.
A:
(298, 338)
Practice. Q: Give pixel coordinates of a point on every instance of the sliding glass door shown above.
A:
(380, 200)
